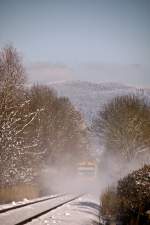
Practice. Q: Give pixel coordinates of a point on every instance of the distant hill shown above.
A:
(89, 97)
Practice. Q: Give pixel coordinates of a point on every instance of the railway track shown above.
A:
(25, 213)
(20, 205)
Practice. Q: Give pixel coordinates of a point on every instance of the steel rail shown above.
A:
(26, 214)
(29, 203)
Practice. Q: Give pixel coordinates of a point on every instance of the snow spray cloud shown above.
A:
(112, 168)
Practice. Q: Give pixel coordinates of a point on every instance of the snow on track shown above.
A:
(82, 211)
(15, 205)
(25, 214)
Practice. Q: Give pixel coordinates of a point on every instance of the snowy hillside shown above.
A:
(89, 97)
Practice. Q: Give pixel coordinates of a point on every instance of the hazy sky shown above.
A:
(78, 31)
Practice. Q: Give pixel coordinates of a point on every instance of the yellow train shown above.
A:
(87, 169)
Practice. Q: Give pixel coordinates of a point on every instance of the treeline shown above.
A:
(123, 129)
(38, 129)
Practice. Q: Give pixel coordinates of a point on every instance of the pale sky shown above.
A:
(74, 32)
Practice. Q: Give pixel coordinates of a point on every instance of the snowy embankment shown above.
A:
(82, 211)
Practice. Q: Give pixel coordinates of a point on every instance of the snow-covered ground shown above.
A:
(83, 211)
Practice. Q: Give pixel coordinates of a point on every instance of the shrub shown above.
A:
(134, 194)
(130, 201)
(18, 192)
(109, 203)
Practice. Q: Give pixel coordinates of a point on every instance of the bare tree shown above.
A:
(123, 126)
(11, 69)
(15, 118)
(36, 126)
(61, 133)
